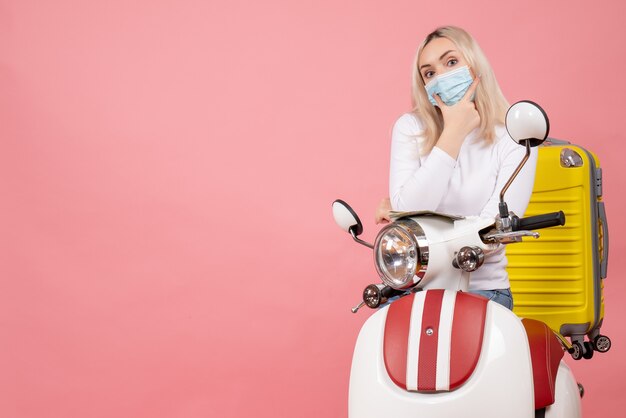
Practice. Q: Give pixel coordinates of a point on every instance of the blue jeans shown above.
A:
(501, 296)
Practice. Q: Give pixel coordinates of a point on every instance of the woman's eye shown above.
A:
(452, 62)
(429, 74)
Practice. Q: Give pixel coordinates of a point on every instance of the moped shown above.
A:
(434, 350)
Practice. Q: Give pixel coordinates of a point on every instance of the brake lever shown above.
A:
(509, 237)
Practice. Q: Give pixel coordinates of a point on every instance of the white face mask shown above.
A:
(450, 86)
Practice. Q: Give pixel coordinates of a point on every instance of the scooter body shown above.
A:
(501, 383)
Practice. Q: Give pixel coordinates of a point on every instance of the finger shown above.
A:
(382, 218)
(440, 102)
(472, 89)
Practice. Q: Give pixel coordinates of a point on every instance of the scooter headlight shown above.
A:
(401, 254)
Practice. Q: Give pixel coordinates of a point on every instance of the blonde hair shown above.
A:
(490, 101)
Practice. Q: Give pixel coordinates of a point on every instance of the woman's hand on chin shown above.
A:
(458, 121)
(461, 118)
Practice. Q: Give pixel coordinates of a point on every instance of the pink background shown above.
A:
(167, 169)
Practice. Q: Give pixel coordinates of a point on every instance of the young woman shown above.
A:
(451, 153)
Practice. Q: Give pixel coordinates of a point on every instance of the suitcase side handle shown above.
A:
(604, 265)
(546, 220)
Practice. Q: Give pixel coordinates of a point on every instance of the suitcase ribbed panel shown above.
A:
(555, 278)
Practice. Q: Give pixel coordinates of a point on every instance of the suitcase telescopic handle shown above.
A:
(540, 221)
(604, 264)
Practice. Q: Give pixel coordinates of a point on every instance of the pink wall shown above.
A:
(167, 170)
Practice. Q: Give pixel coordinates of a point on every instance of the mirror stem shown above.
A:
(515, 173)
(360, 241)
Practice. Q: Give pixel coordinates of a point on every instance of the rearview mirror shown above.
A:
(527, 121)
(346, 218)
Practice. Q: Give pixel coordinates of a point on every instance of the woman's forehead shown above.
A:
(433, 51)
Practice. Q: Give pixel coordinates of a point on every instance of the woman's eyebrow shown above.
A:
(446, 53)
(440, 58)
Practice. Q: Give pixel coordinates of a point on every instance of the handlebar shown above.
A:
(546, 220)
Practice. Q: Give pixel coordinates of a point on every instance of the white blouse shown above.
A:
(468, 186)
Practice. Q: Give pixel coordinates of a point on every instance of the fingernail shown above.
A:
(480, 75)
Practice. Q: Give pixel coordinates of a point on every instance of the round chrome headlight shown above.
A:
(401, 254)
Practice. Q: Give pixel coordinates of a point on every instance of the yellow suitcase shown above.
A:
(558, 278)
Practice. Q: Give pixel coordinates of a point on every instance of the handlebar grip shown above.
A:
(540, 221)
(389, 292)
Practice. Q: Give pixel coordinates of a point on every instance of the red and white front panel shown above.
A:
(433, 339)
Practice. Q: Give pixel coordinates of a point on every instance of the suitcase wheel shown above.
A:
(602, 343)
(576, 351)
(588, 350)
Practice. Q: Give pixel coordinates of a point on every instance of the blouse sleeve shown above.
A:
(518, 194)
(416, 184)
